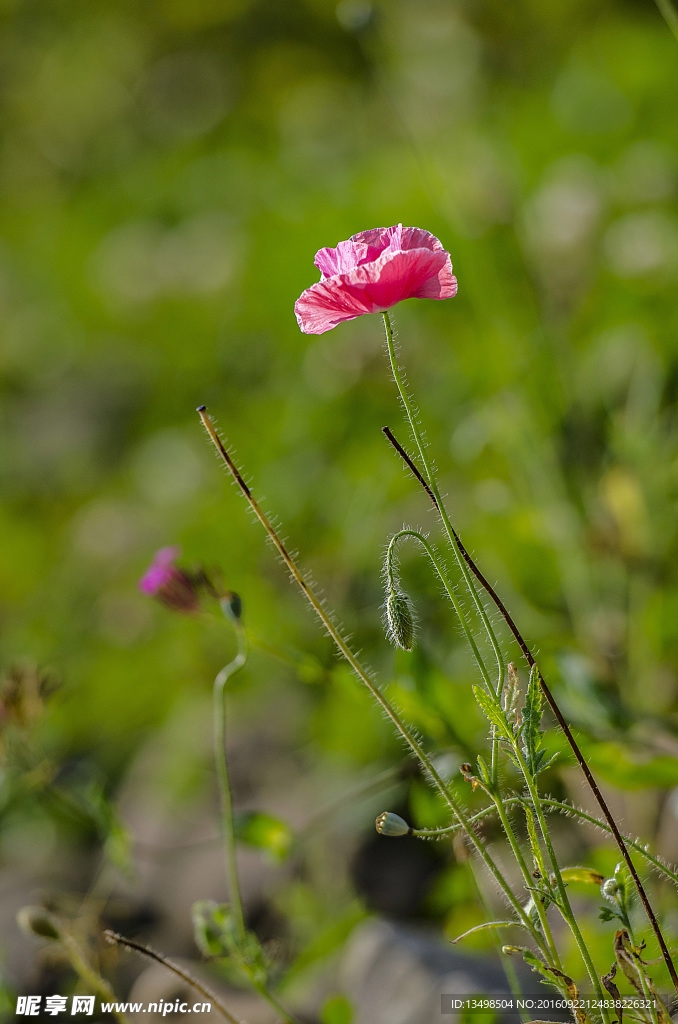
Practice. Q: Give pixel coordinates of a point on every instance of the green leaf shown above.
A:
(483, 770)
(582, 874)
(216, 936)
(492, 710)
(336, 1010)
(264, 832)
(213, 928)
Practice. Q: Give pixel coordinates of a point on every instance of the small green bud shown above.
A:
(231, 606)
(36, 921)
(390, 824)
(400, 620)
(610, 887)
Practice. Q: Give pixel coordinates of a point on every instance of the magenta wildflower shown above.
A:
(373, 271)
(174, 586)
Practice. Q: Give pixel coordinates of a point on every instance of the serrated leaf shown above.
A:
(492, 710)
(531, 729)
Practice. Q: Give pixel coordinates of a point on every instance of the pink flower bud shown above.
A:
(175, 587)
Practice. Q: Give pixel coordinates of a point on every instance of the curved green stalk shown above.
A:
(225, 795)
(89, 975)
(449, 587)
(440, 569)
(431, 478)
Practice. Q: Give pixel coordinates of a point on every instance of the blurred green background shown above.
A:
(167, 173)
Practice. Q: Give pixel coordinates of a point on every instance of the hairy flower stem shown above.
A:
(529, 881)
(563, 899)
(428, 468)
(505, 959)
(89, 975)
(273, 1002)
(569, 810)
(158, 958)
(364, 677)
(574, 746)
(225, 795)
(226, 801)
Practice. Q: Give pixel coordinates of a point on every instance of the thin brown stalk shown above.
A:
(152, 954)
(581, 760)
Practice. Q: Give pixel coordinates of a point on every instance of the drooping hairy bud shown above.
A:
(37, 921)
(390, 824)
(400, 620)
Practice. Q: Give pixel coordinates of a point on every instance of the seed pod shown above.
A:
(400, 620)
(390, 824)
(36, 921)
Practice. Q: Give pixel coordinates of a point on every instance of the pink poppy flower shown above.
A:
(172, 585)
(373, 271)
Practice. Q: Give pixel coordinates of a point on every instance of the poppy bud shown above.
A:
(231, 606)
(400, 620)
(175, 587)
(390, 824)
(37, 921)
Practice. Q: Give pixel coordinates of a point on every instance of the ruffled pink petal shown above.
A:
(378, 285)
(417, 238)
(367, 246)
(161, 570)
(346, 257)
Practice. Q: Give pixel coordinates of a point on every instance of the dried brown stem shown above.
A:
(151, 954)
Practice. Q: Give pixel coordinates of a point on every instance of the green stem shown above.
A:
(529, 881)
(364, 676)
(445, 580)
(505, 958)
(273, 1002)
(225, 795)
(669, 14)
(564, 902)
(567, 809)
(431, 478)
(91, 977)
